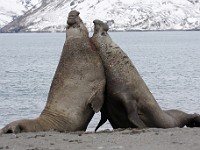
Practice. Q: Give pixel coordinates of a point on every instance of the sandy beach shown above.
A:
(129, 139)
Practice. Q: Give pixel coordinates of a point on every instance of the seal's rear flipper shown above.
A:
(195, 122)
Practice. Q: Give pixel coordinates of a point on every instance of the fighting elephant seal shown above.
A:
(129, 103)
(77, 88)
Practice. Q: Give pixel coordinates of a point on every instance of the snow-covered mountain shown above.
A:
(50, 15)
(11, 9)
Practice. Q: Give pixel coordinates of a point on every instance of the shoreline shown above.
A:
(169, 30)
(143, 139)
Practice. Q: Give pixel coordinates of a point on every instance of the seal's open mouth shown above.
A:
(72, 17)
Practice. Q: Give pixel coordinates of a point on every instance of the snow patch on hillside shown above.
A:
(11, 9)
(120, 15)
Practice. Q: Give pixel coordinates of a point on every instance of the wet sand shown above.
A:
(129, 139)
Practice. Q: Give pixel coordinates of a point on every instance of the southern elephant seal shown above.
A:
(129, 103)
(77, 88)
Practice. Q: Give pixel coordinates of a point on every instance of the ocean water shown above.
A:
(167, 61)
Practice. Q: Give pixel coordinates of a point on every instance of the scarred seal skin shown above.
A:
(129, 103)
(77, 89)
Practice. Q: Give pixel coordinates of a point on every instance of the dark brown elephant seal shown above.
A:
(129, 103)
(77, 88)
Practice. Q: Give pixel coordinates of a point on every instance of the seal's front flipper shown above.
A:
(96, 100)
(133, 116)
(14, 127)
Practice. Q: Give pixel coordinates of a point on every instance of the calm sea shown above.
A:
(168, 62)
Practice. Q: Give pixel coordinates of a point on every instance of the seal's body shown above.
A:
(77, 88)
(129, 103)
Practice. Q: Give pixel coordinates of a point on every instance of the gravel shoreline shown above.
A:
(128, 139)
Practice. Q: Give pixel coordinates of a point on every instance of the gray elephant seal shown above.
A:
(129, 103)
(77, 88)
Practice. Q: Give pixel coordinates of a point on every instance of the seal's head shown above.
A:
(73, 18)
(100, 26)
(75, 26)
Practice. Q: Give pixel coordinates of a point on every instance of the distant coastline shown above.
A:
(170, 30)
